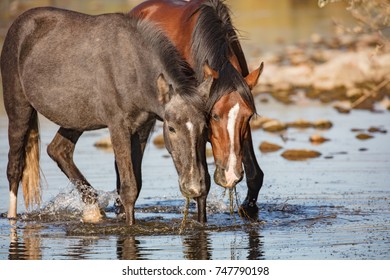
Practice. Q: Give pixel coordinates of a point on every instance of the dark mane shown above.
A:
(213, 39)
(178, 70)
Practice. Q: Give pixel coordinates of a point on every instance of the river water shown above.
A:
(336, 206)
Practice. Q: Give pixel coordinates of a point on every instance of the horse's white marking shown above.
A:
(190, 126)
(232, 161)
(12, 205)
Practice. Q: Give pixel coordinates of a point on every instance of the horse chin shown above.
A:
(191, 190)
(220, 178)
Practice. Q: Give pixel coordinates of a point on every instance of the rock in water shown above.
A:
(267, 147)
(300, 154)
(159, 142)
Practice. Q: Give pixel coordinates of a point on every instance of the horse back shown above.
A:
(65, 59)
(175, 18)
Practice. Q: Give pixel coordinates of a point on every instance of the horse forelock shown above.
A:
(230, 80)
(179, 71)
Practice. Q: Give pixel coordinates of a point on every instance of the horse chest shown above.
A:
(138, 121)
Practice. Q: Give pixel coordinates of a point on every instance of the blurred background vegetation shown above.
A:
(264, 23)
(311, 37)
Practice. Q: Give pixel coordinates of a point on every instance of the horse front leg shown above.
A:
(202, 200)
(138, 144)
(201, 203)
(254, 179)
(128, 191)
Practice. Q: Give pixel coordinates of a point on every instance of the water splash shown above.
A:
(216, 203)
(68, 205)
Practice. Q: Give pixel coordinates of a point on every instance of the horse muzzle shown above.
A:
(193, 190)
(227, 178)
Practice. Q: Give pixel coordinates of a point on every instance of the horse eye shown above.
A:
(215, 117)
(171, 129)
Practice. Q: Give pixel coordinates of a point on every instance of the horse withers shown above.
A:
(202, 30)
(89, 72)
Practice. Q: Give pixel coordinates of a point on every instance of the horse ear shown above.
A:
(204, 88)
(163, 89)
(209, 76)
(209, 72)
(253, 77)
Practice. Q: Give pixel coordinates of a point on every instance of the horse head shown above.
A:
(229, 126)
(185, 134)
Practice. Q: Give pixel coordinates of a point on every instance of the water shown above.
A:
(333, 207)
(319, 209)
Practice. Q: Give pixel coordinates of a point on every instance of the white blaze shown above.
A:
(190, 126)
(232, 161)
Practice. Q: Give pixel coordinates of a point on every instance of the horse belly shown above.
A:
(69, 107)
(65, 91)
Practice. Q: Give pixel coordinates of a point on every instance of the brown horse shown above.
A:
(202, 31)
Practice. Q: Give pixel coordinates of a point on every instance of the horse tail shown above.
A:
(31, 172)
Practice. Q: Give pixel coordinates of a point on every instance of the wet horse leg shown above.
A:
(18, 127)
(129, 172)
(254, 178)
(138, 143)
(61, 150)
(201, 202)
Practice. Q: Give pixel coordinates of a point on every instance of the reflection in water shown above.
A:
(249, 243)
(27, 243)
(197, 246)
(27, 247)
(83, 249)
(255, 245)
(127, 248)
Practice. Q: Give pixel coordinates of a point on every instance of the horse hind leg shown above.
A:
(61, 150)
(23, 157)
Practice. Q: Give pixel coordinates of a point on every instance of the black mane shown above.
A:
(179, 71)
(214, 37)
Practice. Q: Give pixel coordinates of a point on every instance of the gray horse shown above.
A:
(89, 72)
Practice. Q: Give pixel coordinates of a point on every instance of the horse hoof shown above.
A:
(92, 214)
(249, 212)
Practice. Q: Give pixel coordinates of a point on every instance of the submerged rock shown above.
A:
(274, 126)
(364, 136)
(323, 124)
(257, 122)
(267, 147)
(209, 152)
(318, 139)
(374, 129)
(300, 154)
(343, 108)
(301, 123)
(104, 143)
(159, 142)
